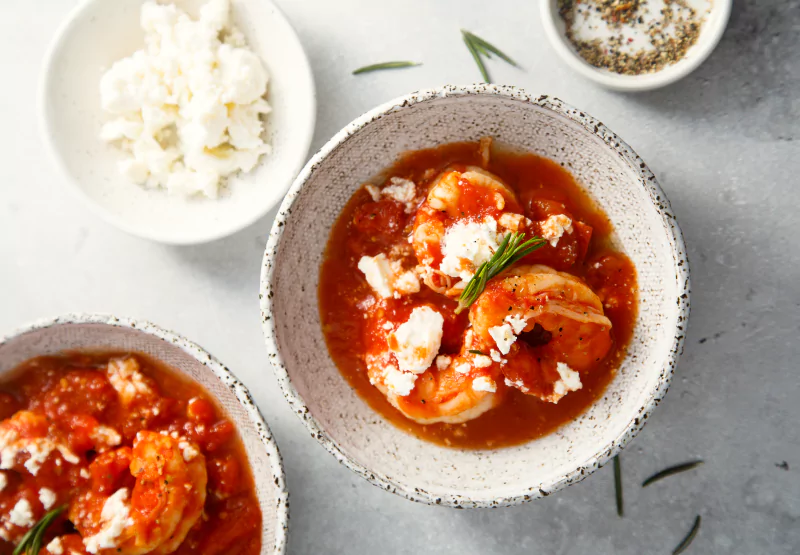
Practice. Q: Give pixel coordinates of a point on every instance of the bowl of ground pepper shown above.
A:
(635, 45)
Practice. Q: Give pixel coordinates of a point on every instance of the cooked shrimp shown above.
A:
(569, 315)
(403, 341)
(460, 225)
(155, 516)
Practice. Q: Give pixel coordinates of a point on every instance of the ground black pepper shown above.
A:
(672, 33)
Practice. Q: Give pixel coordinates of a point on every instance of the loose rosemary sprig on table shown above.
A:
(687, 541)
(31, 542)
(479, 47)
(678, 468)
(513, 248)
(385, 65)
(618, 486)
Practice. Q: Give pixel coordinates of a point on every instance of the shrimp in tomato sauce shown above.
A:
(138, 459)
(539, 343)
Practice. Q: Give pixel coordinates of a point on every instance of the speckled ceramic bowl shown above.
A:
(120, 334)
(360, 438)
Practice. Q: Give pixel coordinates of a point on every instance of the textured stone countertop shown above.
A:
(725, 145)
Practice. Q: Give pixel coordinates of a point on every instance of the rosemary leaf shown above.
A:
(677, 469)
(618, 486)
(510, 250)
(687, 541)
(489, 48)
(477, 57)
(476, 352)
(479, 47)
(31, 542)
(385, 65)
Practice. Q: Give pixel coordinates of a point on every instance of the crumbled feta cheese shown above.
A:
(463, 368)
(443, 361)
(365, 304)
(503, 336)
(3, 481)
(399, 382)
(570, 380)
(496, 356)
(554, 227)
(406, 283)
(511, 221)
(403, 191)
(55, 547)
(373, 191)
(124, 376)
(47, 497)
(467, 245)
(416, 342)
(484, 383)
(115, 518)
(517, 323)
(188, 106)
(387, 326)
(386, 276)
(481, 361)
(188, 450)
(517, 384)
(85, 474)
(38, 449)
(22, 514)
(105, 436)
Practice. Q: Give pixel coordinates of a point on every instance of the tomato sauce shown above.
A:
(368, 228)
(73, 401)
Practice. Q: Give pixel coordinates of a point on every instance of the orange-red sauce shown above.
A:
(543, 188)
(73, 394)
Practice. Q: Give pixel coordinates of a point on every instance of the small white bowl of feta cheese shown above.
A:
(178, 122)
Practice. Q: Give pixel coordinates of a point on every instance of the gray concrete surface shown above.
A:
(724, 144)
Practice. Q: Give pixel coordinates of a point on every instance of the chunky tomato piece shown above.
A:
(111, 471)
(613, 278)
(201, 411)
(583, 236)
(541, 209)
(79, 431)
(380, 220)
(79, 392)
(224, 476)
(235, 522)
(8, 405)
(218, 435)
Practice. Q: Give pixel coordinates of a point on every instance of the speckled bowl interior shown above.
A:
(107, 333)
(360, 438)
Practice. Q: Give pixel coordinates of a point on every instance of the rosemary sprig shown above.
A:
(31, 542)
(477, 352)
(385, 65)
(687, 541)
(618, 486)
(513, 248)
(479, 47)
(677, 469)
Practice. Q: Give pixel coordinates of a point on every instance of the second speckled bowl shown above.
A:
(360, 438)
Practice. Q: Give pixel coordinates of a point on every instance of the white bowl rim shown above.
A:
(644, 82)
(220, 370)
(44, 130)
(593, 126)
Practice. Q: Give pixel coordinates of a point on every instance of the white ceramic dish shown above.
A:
(345, 425)
(711, 33)
(99, 32)
(83, 331)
